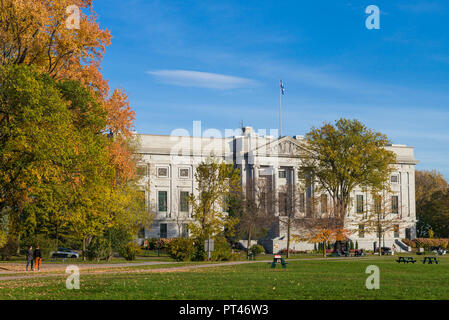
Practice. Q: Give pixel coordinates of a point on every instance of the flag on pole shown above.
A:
(282, 88)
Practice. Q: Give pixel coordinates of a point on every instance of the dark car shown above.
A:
(386, 251)
(65, 253)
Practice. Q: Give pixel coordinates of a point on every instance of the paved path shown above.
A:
(159, 270)
(20, 267)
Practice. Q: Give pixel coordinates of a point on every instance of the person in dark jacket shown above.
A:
(37, 258)
(30, 257)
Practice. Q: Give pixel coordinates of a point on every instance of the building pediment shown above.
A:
(283, 147)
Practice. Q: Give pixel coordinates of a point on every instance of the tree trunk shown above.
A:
(288, 238)
(324, 248)
(18, 244)
(248, 243)
(57, 240)
(84, 249)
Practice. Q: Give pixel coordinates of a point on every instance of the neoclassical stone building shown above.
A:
(168, 166)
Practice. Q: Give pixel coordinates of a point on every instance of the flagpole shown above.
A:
(280, 108)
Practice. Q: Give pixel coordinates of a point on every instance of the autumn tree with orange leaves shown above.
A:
(98, 166)
(34, 32)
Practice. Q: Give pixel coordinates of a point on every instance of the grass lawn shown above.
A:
(303, 279)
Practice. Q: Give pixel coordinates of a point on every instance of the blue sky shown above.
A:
(220, 62)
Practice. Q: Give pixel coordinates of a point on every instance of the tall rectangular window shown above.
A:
(324, 203)
(282, 203)
(394, 204)
(377, 204)
(361, 231)
(396, 230)
(185, 230)
(163, 230)
(184, 201)
(282, 174)
(302, 202)
(360, 204)
(162, 201)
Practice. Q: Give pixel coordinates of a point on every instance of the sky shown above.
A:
(220, 62)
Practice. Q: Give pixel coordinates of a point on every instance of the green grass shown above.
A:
(303, 279)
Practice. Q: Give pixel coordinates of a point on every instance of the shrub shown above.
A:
(153, 243)
(9, 249)
(291, 251)
(130, 251)
(199, 252)
(257, 249)
(181, 249)
(222, 250)
(98, 249)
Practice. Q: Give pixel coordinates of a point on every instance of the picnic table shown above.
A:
(359, 253)
(430, 260)
(406, 260)
(340, 253)
(278, 260)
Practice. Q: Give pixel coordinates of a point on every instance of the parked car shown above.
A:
(65, 253)
(386, 251)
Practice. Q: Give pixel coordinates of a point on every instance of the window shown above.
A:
(394, 179)
(302, 202)
(162, 195)
(361, 231)
(184, 173)
(360, 205)
(394, 204)
(141, 171)
(185, 230)
(162, 172)
(324, 203)
(282, 174)
(163, 230)
(377, 204)
(282, 203)
(396, 230)
(184, 201)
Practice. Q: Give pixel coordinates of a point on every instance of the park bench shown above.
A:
(278, 260)
(430, 260)
(406, 260)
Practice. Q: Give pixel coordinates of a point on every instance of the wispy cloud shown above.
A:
(189, 78)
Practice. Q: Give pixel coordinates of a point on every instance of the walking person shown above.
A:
(30, 257)
(38, 258)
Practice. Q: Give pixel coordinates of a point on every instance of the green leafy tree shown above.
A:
(216, 181)
(344, 155)
(431, 197)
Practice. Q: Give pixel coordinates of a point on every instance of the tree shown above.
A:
(35, 33)
(216, 181)
(252, 209)
(37, 144)
(431, 195)
(434, 216)
(289, 200)
(345, 155)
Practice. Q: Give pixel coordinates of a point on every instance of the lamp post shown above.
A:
(159, 245)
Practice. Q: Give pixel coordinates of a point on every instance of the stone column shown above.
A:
(255, 180)
(295, 195)
(276, 189)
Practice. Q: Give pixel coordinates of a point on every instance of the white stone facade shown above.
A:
(169, 163)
